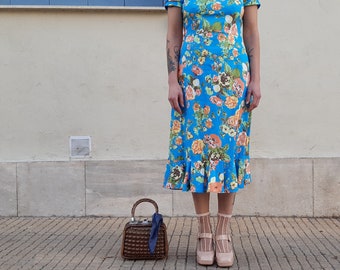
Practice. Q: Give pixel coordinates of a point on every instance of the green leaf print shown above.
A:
(236, 73)
(206, 25)
(216, 27)
(197, 39)
(227, 68)
(209, 91)
(200, 179)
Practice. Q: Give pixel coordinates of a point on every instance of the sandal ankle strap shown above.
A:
(203, 214)
(224, 215)
(205, 235)
(223, 237)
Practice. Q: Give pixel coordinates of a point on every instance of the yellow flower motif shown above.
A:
(201, 60)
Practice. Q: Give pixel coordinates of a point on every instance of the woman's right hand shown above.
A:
(175, 97)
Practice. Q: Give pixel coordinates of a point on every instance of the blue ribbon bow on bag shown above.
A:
(157, 220)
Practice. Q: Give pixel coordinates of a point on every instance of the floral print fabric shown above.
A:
(209, 142)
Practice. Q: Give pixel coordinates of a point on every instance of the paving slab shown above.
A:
(93, 243)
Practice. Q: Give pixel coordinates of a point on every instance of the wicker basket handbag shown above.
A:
(136, 235)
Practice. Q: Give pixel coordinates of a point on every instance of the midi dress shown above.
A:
(209, 141)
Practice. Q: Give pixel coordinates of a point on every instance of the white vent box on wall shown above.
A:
(80, 146)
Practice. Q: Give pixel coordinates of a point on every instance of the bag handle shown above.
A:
(139, 202)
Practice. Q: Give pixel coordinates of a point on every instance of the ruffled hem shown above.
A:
(222, 177)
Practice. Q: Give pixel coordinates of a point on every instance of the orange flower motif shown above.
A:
(239, 113)
(206, 110)
(216, 79)
(198, 91)
(217, 6)
(196, 70)
(216, 100)
(176, 126)
(215, 187)
(208, 123)
(239, 179)
(190, 93)
(247, 167)
(197, 146)
(242, 139)
(189, 39)
(221, 37)
(233, 30)
(196, 107)
(231, 102)
(233, 121)
(216, 140)
(179, 140)
(238, 86)
(235, 52)
(213, 140)
(231, 39)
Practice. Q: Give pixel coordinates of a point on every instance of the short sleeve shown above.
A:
(252, 3)
(173, 3)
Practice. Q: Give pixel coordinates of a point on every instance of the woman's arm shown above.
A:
(173, 46)
(252, 43)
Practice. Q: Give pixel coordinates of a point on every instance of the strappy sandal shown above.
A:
(205, 257)
(225, 259)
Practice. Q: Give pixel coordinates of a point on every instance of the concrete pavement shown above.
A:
(65, 243)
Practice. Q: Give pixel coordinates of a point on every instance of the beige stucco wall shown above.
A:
(103, 74)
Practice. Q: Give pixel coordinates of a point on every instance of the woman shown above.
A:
(213, 58)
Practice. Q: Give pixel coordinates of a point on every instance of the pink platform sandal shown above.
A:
(205, 249)
(224, 250)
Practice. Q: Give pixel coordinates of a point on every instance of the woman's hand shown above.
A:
(253, 95)
(175, 97)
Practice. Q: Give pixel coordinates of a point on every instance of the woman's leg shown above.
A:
(226, 203)
(224, 252)
(205, 251)
(201, 202)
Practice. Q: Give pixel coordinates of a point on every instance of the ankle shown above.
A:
(223, 223)
(204, 225)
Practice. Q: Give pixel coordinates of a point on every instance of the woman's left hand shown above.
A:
(254, 95)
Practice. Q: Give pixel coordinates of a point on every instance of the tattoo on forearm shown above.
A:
(177, 52)
(250, 52)
(172, 61)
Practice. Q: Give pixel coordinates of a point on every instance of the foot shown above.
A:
(205, 250)
(224, 251)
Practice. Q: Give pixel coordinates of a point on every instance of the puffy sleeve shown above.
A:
(173, 3)
(251, 3)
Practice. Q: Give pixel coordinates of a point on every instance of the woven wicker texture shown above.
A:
(135, 244)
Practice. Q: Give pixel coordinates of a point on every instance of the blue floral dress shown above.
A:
(209, 142)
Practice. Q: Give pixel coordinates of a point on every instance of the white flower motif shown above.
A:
(244, 67)
(228, 19)
(217, 88)
(233, 185)
(196, 82)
